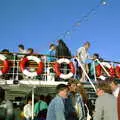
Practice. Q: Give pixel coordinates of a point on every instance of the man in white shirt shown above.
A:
(82, 55)
(21, 51)
(21, 48)
(28, 109)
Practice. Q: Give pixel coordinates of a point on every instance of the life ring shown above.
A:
(27, 72)
(57, 68)
(110, 70)
(117, 70)
(5, 69)
(98, 69)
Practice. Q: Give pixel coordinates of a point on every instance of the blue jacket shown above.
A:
(56, 109)
(51, 56)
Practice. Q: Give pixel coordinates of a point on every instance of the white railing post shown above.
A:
(33, 102)
(14, 55)
(45, 68)
(94, 71)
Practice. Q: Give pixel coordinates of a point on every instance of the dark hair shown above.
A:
(52, 45)
(42, 97)
(31, 50)
(61, 87)
(29, 99)
(21, 46)
(5, 51)
(96, 54)
(104, 85)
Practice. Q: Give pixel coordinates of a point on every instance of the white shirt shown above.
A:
(22, 53)
(116, 92)
(27, 110)
(82, 54)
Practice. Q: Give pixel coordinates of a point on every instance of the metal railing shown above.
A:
(16, 74)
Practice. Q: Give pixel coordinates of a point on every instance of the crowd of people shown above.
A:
(83, 62)
(70, 103)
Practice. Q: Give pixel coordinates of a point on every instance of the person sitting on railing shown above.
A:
(7, 54)
(82, 55)
(51, 53)
(30, 51)
(21, 48)
(21, 51)
(50, 59)
(5, 51)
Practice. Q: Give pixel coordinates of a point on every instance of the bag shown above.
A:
(42, 113)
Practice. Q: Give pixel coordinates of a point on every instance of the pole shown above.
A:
(33, 102)
(94, 71)
(14, 55)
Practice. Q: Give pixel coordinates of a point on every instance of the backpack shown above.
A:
(42, 113)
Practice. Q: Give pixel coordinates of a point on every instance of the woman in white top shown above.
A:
(28, 109)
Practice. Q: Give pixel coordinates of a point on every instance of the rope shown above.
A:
(80, 21)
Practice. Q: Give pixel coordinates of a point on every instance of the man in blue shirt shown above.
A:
(56, 110)
(51, 53)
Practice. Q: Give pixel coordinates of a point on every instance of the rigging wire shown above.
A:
(82, 20)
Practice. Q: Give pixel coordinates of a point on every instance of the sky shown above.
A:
(38, 23)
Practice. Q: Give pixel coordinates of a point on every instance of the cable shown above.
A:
(83, 19)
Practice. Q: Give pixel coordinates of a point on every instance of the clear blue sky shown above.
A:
(37, 23)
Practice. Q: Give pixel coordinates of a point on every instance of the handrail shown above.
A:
(15, 68)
